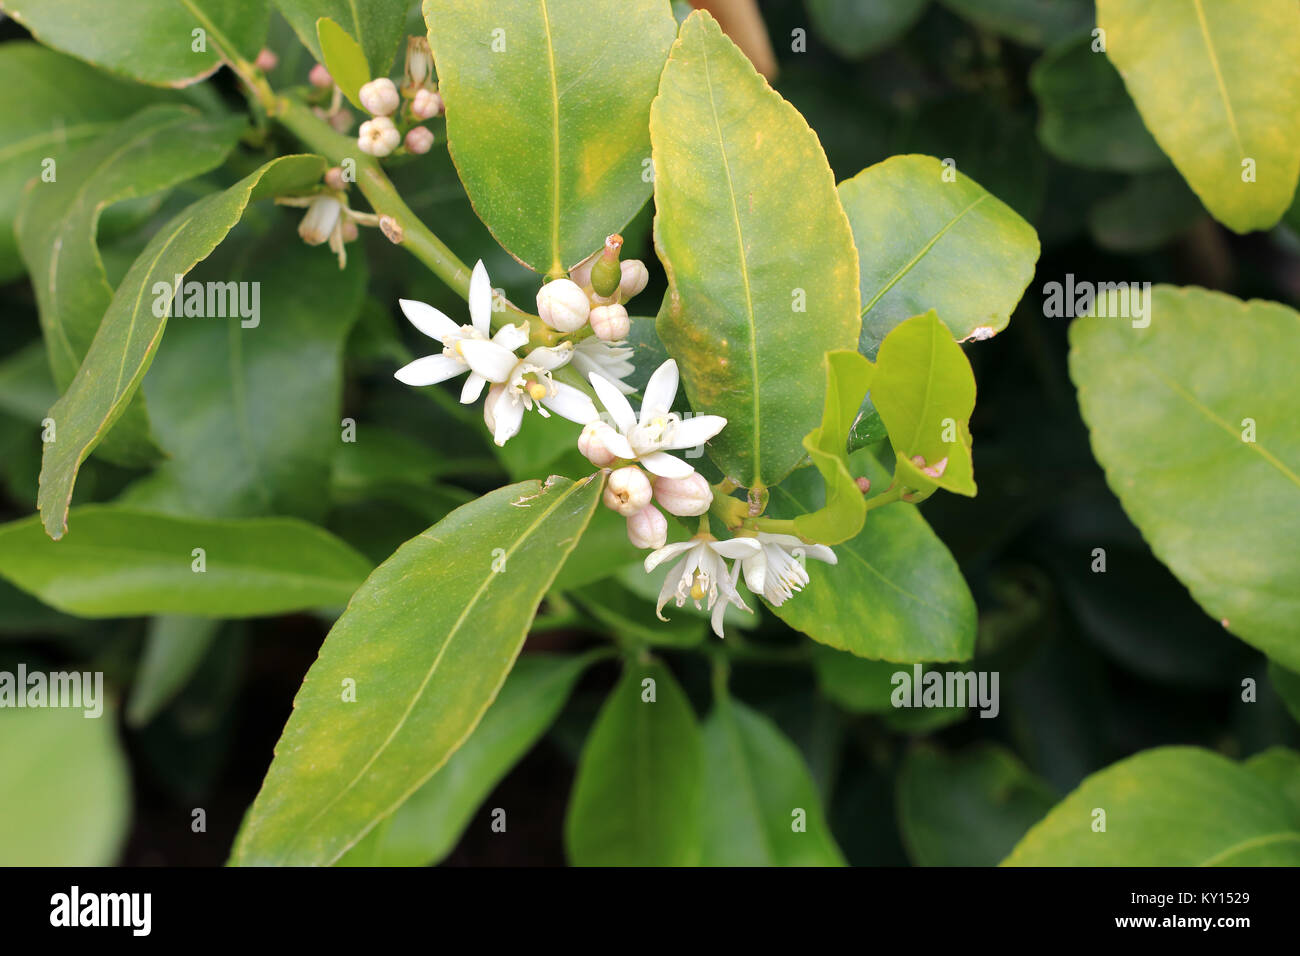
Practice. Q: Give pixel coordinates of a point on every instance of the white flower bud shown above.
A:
(627, 490)
(687, 496)
(427, 104)
(419, 61)
(610, 323)
(380, 97)
(647, 528)
(635, 277)
(322, 216)
(563, 306)
(320, 78)
(378, 136)
(419, 139)
(593, 446)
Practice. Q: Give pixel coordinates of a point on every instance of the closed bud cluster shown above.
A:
(610, 323)
(378, 136)
(427, 104)
(419, 140)
(609, 283)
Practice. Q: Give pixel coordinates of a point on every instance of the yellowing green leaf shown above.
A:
(848, 376)
(547, 105)
(1218, 84)
(344, 58)
(758, 251)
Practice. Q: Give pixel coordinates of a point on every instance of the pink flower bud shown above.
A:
(610, 323)
(319, 77)
(334, 179)
(350, 231)
(863, 483)
(266, 60)
(687, 496)
(627, 490)
(427, 104)
(563, 306)
(635, 277)
(581, 273)
(419, 139)
(378, 136)
(593, 446)
(341, 122)
(647, 528)
(380, 97)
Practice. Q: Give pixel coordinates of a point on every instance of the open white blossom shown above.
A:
(607, 359)
(776, 570)
(659, 430)
(702, 574)
(517, 383)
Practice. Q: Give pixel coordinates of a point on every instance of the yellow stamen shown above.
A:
(537, 390)
(697, 591)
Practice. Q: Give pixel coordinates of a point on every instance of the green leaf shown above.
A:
(895, 594)
(57, 224)
(65, 795)
(123, 562)
(968, 808)
(52, 104)
(1086, 117)
(26, 391)
(153, 41)
(427, 827)
(848, 376)
(637, 797)
(344, 58)
(377, 25)
(547, 105)
(130, 331)
(758, 251)
(603, 551)
(1281, 768)
(1150, 212)
(1030, 22)
(632, 618)
(926, 243)
(1169, 407)
(924, 390)
(266, 390)
(1173, 806)
(756, 783)
(428, 641)
(1287, 684)
(173, 650)
(855, 683)
(1215, 97)
(859, 28)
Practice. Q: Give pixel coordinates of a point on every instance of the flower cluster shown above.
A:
(381, 134)
(328, 217)
(644, 479)
(517, 384)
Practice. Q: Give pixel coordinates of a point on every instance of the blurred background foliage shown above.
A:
(1094, 667)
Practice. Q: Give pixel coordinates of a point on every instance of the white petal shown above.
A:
(671, 580)
(660, 391)
(480, 299)
(490, 360)
(693, 431)
(665, 465)
(614, 401)
(472, 389)
(507, 416)
(550, 359)
(429, 370)
(656, 558)
(427, 319)
(512, 336)
(737, 547)
(572, 404)
(617, 444)
(819, 552)
(755, 568)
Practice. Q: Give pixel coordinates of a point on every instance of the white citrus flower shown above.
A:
(776, 572)
(659, 430)
(608, 359)
(378, 136)
(527, 381)
(379, 97)
(702, 574)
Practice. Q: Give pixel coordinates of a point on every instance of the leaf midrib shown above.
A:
(752, 322)
(1218, 77)
(557, 265)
